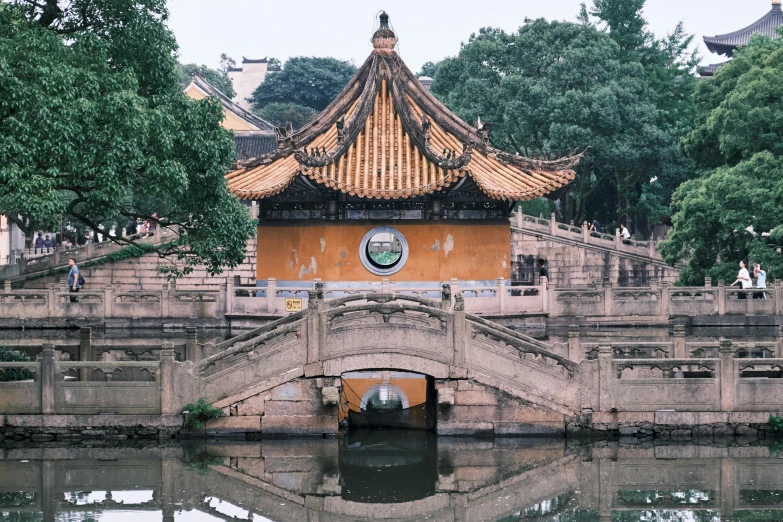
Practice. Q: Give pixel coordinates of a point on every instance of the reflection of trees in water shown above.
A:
(16, 499)
(763, 497)
(667, 515)
(384, 258)
(653, 496)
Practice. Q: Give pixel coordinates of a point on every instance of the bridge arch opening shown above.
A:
(387, 399)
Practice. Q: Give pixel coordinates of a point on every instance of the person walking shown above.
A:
(743, 278)
(75, 280)
(543, 272)
(761, 281)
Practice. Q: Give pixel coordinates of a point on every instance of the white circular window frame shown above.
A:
(372, 267)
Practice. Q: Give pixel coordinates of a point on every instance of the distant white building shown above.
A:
(247, 78)
(11, 241)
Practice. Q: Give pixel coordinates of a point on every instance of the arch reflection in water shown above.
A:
(385, 476)
(384, 467)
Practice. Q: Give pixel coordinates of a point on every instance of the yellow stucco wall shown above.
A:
(231, 121)
(439, 251)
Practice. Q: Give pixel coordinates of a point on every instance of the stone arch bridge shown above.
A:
(309, 351)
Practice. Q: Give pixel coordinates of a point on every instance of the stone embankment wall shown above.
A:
(143, 273)
(573, 265)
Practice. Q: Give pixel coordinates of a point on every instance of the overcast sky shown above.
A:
(426, 29)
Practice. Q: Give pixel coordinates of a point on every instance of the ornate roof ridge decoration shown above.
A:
(385, 136)
(766, 25)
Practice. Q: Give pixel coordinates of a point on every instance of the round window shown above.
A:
(383, 251)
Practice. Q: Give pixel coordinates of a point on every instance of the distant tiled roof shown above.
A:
(726, 43)
(211, 90)
(425, 82)
(711, 69)
(250, 60)
(251, 144)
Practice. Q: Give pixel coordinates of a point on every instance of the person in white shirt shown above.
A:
(625, 234)
(743, 277)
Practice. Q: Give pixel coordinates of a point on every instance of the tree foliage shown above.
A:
(733, 210)
(282, 113)
(308, 81)
(215, 77)
(558, 87)
(94, 126)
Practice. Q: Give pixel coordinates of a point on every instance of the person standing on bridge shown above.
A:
(543, 272)
(761, 281)
(743, 277)
(75, 280)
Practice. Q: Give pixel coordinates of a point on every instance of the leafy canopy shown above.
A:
(557, 87)
(307, 81)
(733, 210)
(282, 113)
(94, 126)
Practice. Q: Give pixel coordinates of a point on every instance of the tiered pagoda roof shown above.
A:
(726, 44)
(386, 137)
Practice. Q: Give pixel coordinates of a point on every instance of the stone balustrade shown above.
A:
(33, 261)
(678, 348)
(583, 235)
(67, 387)
(664, 301)
(111, 301)
(270, 297)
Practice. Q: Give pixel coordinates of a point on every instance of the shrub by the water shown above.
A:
(200, 413)
(14, 374)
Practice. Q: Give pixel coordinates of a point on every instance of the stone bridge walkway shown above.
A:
(382, 331)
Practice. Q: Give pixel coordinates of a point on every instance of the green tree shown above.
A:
(218, 80)
(668, 63)
(93, 122)
(281, 113)
(429, 69)
(558, 87)
(308, 81)
(733, 210)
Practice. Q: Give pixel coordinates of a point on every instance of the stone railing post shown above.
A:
(192, 349)
(574, 344)
(47, 378)
(778, 298)
(165, 296)
(721, 297)
(271, 295)
(607, 298)
(519, 218)
(780, 341)
(651, 250)
(547, 297)
(108, 300)
(679, 342)
(445, 298)
(230, 295)
(617, 241)
(7, 286)
(553, 225)
(454, 290)
(51, 299)
(605, 377)
(313, 341)
(168, 404)
(727, 374)
(385, 286)
(665, 298)
(89, 248)
(85, 352)
(585, 233)
(501, 291)
(254, 210)
(458, 369)
(707, 282)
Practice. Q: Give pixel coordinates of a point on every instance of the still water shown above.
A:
(391, 476)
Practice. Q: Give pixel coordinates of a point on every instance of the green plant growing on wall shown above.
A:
(776, 423)
(14, 374)
(201, 412)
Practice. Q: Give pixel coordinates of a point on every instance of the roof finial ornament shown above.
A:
(775, 2)
(384, 38)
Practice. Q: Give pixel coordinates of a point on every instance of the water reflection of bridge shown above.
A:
(473, 480)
